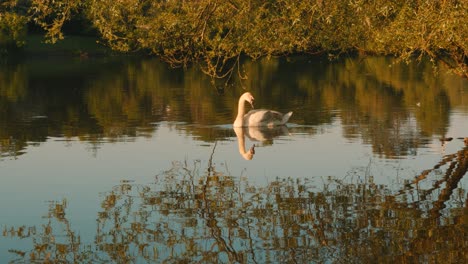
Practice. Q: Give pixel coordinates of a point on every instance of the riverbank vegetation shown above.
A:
(215, 34)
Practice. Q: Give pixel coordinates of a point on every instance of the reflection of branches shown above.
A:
(191, 214)
(454, 174)
(210, 161)
(56, 243)
(457, 166)
(210, 216)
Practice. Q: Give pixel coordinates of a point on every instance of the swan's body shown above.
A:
(258, 117)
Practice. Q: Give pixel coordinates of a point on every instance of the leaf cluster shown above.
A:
(12, 26)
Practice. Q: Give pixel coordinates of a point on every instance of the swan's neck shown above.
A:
(240, 113)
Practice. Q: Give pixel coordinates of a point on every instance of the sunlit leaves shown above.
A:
(51, 15)
(12, 26)
(213, 32)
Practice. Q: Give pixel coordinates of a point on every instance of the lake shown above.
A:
(125, 160)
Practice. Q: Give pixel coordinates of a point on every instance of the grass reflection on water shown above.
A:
(200, 213)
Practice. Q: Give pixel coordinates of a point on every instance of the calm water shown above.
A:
(127, 161)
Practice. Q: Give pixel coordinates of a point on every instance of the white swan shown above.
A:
(258, 117)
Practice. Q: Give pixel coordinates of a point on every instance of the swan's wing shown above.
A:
(263, 116)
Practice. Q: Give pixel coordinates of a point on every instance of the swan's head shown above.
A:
(249, 98)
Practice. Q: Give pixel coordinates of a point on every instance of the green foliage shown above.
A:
(12, 26)
(51, 15)
(434, 28)
(215, 33)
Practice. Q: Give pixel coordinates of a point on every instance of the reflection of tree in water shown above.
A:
(122, 99)
(193, 214)
(13, 88)
(52, 242)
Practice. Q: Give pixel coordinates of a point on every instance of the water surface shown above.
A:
(126, 160)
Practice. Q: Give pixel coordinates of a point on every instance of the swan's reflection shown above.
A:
(265, 135)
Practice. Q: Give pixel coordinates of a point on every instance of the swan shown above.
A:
(258, 117)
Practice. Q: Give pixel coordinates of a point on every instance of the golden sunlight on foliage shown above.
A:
(215, 33)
